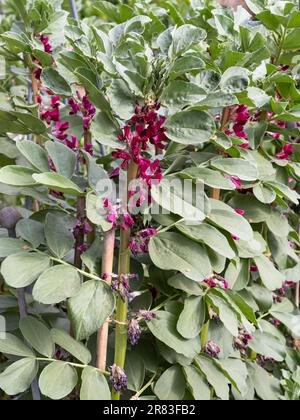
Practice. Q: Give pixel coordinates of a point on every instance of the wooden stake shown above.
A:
(107, 269)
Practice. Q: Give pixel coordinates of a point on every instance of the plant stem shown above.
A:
(204, 335)
(122, 306)
(149, 383)
(280, 46)
(78, 365)
(84, 273)
(161, 305)
(107, 268)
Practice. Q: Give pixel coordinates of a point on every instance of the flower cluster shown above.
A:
(82, 228)
(120, 284)
(242, 340)
(278, 296)
(143, 129)
(217, 281)
(118, 378)
(146, 315)
(286, 152)
(117, 216)
(48, 49)
(212, 349)
(241, 117)
(51, 114)
(86, 108)
(140, 241)
(134, 331)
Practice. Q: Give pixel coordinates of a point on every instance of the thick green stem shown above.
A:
(204, 335)
(122, 305)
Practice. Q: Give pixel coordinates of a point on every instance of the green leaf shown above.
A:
(75, 348)
(269, 275)
(105, 130)
(18, 176)
(264, 194)
(210, 236)
(121, 99)
(290, 321)
(172, 251)
(135, 371)
(192, 317)
(185, 37)
(186, 64)
(237, 373)
(20, 270)
(56, 285)
(94, 386)
(267, 345)
(57, 182)
(58, 380)
(37, 335)
(96, 213)
(97, 176)
(179, 281)
(266, 385)
(63, 158)
(55, 82)
(86, 78)
(13, 345)
(225, 313)
(214, 376)
(197, 383)
(226, 218)
(89, 309)
(18, 377)
(10, 246)
(179, 94)
(171, 385)
(235, 79)
(183, 198)
(32, 231)
(292, 40)
(59, 239)
(241, 168)
(163, 327)
(34, 153)
(190, 127)
(212, 178)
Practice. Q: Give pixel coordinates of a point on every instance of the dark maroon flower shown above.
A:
(212, 349)
(217, 280)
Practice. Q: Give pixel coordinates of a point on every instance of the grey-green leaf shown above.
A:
(163, 327)
(20, 270)
(172, 251)
(57, 284)
(89, 309)
(171, 385)
(94, 386)
(18, 377)
(190, 127)
(37, 335)
(13, 345)
(192, 317)
(77, 349)
(58, 380)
